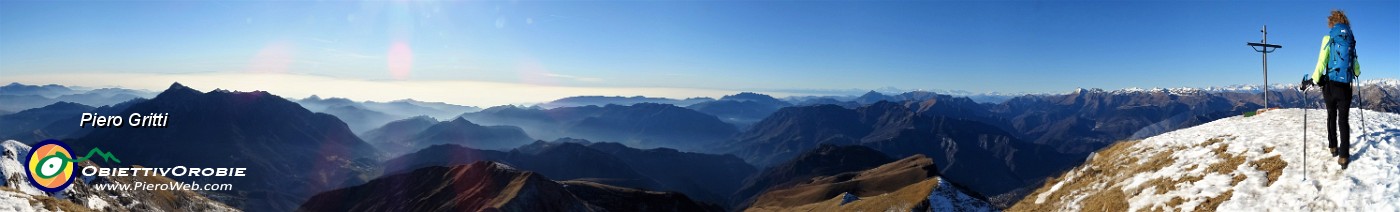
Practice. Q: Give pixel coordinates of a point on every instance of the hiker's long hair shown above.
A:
(1338, 17)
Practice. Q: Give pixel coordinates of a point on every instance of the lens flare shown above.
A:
(400, 59)
(276, 57)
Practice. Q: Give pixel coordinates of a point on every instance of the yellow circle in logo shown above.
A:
(50, 166)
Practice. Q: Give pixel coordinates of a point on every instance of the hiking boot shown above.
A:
(1332, 150)
(1343, 162)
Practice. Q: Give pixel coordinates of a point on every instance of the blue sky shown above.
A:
(1003, 46)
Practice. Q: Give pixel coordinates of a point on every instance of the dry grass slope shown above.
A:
(1095, 186)
(903, 199)
(884, 184)
(1112, 157)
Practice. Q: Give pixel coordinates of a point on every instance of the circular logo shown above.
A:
(50, 166)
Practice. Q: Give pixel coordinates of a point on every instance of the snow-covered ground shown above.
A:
(1239, 164)
(1370, 183)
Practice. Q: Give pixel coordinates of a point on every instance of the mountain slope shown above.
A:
(742, 109)
(559, 161)
(290, 153)
(821, 161)
(367, 115)
(613, 198)
(479, 186)
(909, 184)
(703, 177)
(393, 138)
(649, 125)
(642, 125)
(463, 132)
(493, 186)
(30, 124)
(793, 130)
(17, 97)
(47, 91)
(875, 181)
(1237, 164)
(980, 156)
(357, 118)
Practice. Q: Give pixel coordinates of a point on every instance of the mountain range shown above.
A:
(643, 125)
(18, 97)
(577, 101)
(54, 121)
(492, 186)
(289, 152)
(704, 177)
(822, 161)
(989, 161)
(408, 135)
(366, 115)
(742, 109)
(909, 184)
(742, 151)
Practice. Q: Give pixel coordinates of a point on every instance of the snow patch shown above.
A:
(12, 167)
(948, 198)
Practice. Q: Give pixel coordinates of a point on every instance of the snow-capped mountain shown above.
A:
(1387, 84)
(1237, 164)
(1253, 88)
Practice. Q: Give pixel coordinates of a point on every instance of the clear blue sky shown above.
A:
(1007, 46)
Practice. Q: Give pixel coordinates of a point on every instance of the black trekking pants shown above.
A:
(1337, 97)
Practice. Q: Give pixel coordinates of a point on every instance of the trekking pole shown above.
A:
(1304, 92)
(1361, 111)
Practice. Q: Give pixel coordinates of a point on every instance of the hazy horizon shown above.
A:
(464, 93)
(516, 52)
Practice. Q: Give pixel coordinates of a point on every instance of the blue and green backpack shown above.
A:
(1343, 47)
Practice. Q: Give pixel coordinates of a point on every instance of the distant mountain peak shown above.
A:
(177, 89)
(572, 140)
(20, 85)
(422, 117)
(63, 104)
(462, 121)
(749, 96)
(177, 85)
(500, 108)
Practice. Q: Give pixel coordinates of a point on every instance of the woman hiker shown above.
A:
(1336, 69)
